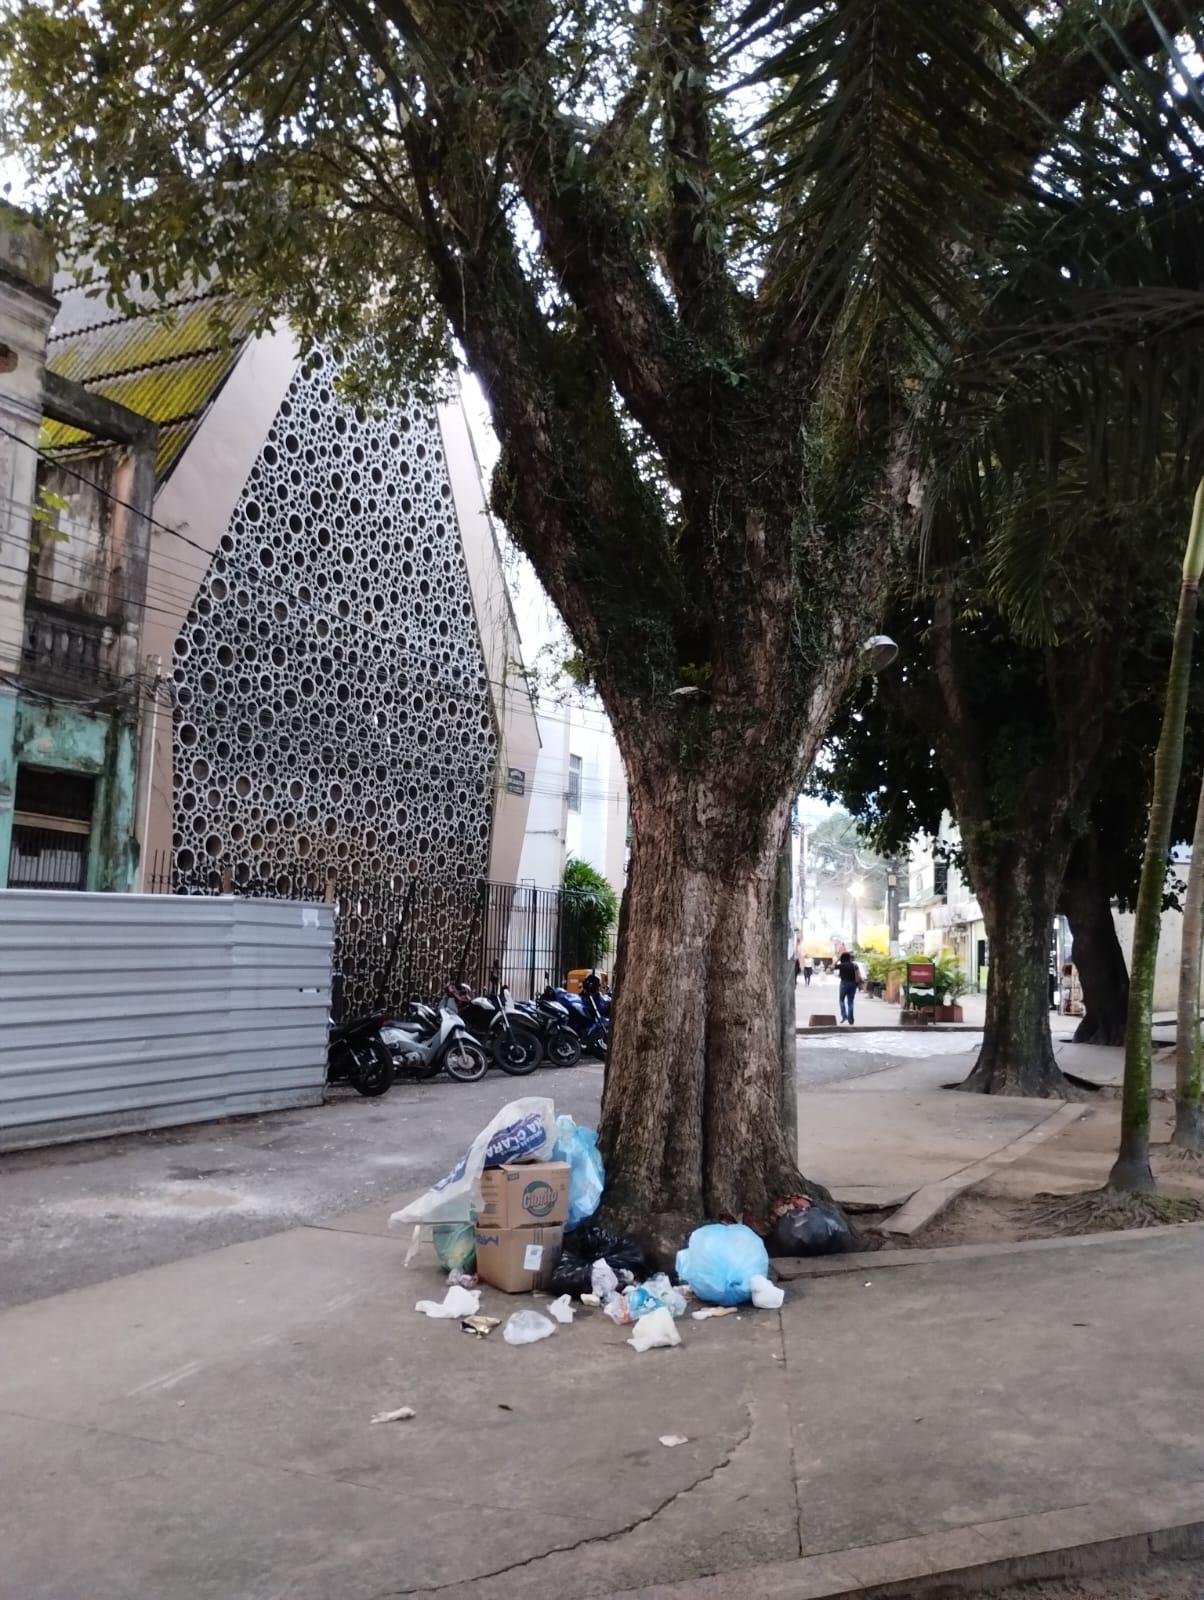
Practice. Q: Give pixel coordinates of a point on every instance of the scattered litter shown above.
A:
(656, 1329)
(591, 1300)
(562, 1309)
(527, 1327)
(456, 1302)
(816, 1229)
(645, 1297)
(579, 1147)
(672, 1440)
(456, 1247)
(713, 1311)
(464, 1280)
(522, 1129)
(402, 1414)
(602, 1279)
(583, 1247)
(720, 1260)
(616, 1308)
(766, 1296)
(867, 1283)
(482, 1327)
(502, 1406)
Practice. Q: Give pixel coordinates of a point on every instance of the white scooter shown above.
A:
(431, 1041)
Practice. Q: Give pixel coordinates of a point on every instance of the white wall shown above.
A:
(541, 861)
(597, 832)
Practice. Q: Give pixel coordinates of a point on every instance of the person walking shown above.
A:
(846, 971)
(808, 969)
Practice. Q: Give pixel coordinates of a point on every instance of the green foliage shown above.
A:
(592, 910)
(880, 968)
(951, 981)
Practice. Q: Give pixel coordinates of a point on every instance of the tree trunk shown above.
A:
(1017, 899)
(1131, 1172)
(1189, 1125)
(692, 1124)
(1096, 950)
(788, 998)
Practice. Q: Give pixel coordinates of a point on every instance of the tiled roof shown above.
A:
(167, 361)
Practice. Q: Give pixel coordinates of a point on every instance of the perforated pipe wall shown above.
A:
(333, 721)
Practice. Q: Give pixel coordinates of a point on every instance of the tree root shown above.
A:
(1176, 1155)
(1106, 1210)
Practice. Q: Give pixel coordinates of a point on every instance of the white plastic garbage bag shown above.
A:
(457, 1302)
(526, 1327)
(602, 1280)
(523, 1128)
(657, 1328)
(765, 1295)
(562, 1309)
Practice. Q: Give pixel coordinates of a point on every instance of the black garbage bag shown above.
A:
(590, 1243)
(815, 1230)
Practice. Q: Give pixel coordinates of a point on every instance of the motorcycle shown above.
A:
(510, 1036)
(432, 1040)
(357, 1054)
(589, 1014)
(561, 1044)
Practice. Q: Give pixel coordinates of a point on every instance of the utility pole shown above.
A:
(894, 869)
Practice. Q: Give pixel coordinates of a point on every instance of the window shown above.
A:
(51, 824)
(574, 795)
(940, 878)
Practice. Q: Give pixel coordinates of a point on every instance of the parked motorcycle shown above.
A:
(511, 1037)
(434, 1039)
(561, 1044)
(588, 1014)
(357, 1054)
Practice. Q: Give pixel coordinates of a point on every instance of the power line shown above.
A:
(257, 576)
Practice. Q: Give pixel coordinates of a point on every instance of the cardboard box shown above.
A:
(517, 1260)
(523, 1194)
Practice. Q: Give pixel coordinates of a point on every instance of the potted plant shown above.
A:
(951, 984)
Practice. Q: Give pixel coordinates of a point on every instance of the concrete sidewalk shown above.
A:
(201, 1430)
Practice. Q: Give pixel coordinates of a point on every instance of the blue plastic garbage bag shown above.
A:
(579, 1147)
(720, 1261)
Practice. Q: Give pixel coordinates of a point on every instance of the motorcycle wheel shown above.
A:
(517, 1052)
(564, 1047)
(372, 1069)
(466, 1062)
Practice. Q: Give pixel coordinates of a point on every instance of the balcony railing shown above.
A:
(68, 648)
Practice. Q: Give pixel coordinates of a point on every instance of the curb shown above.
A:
(792, 1268)
(928, 1203)
(1111, 1531)
(890, 1027)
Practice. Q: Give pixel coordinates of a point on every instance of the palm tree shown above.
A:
(1132, 1173)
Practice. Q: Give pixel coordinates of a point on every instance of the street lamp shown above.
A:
(877, 653)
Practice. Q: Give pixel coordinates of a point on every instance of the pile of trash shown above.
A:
(515, 1213)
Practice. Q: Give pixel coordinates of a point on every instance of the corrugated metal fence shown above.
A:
(120, 1012)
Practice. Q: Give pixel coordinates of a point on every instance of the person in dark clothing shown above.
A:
(808, 969)
(846, 971)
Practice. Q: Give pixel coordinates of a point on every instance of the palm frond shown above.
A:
(890, 130)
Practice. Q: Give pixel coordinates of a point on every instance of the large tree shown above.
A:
(1039, 745)
(700, 255)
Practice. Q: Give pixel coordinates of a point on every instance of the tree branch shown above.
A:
(1067, 72)
(692, 256)
(571, 493)
(591, 247)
